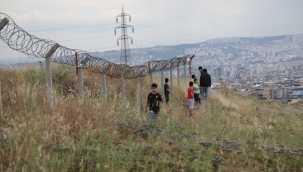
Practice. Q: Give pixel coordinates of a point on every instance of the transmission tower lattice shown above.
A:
(125, 57)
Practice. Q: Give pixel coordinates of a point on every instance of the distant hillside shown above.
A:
(141, 55)
(212, 48)
(223, 45)
(265, 40)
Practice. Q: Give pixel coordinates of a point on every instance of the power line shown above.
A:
(100, 48)
(9, 8)
(107, 36)
(75, 39)
(86, 38)
(71, 27)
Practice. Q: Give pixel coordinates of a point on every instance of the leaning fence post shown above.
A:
(49, 86)
(190, 60)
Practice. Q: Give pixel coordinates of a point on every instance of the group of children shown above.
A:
(154, 98)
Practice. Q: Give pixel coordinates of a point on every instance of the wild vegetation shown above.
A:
(229, 132)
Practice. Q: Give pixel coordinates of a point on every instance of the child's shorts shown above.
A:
(191, 103)
(196, 96)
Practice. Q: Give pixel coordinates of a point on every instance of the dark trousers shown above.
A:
(197, 98)
(166, 98)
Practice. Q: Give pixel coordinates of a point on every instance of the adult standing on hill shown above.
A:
(201, 72)
(200, 69)
(205, 83)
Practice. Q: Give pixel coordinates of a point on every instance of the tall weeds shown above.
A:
(229, 132)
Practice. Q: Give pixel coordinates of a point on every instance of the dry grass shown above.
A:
(92, 136)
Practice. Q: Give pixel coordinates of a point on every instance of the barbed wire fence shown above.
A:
(20, 40)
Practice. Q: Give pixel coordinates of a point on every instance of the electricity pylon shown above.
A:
(125, 57)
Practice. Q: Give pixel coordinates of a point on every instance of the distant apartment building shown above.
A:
(218, 72)
(269, 94)
(297, 93)
(227, 74)
(280, 93)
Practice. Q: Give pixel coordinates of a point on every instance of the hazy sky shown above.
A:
(89, 24)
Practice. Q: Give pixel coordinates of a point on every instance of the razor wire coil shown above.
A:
(20, 40)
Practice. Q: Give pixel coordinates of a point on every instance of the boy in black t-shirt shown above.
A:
(166, 90)
(153, 100)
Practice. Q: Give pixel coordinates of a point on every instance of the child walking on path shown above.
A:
(166, 90)
(196, 91)
(153, 100)
(190, 98)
